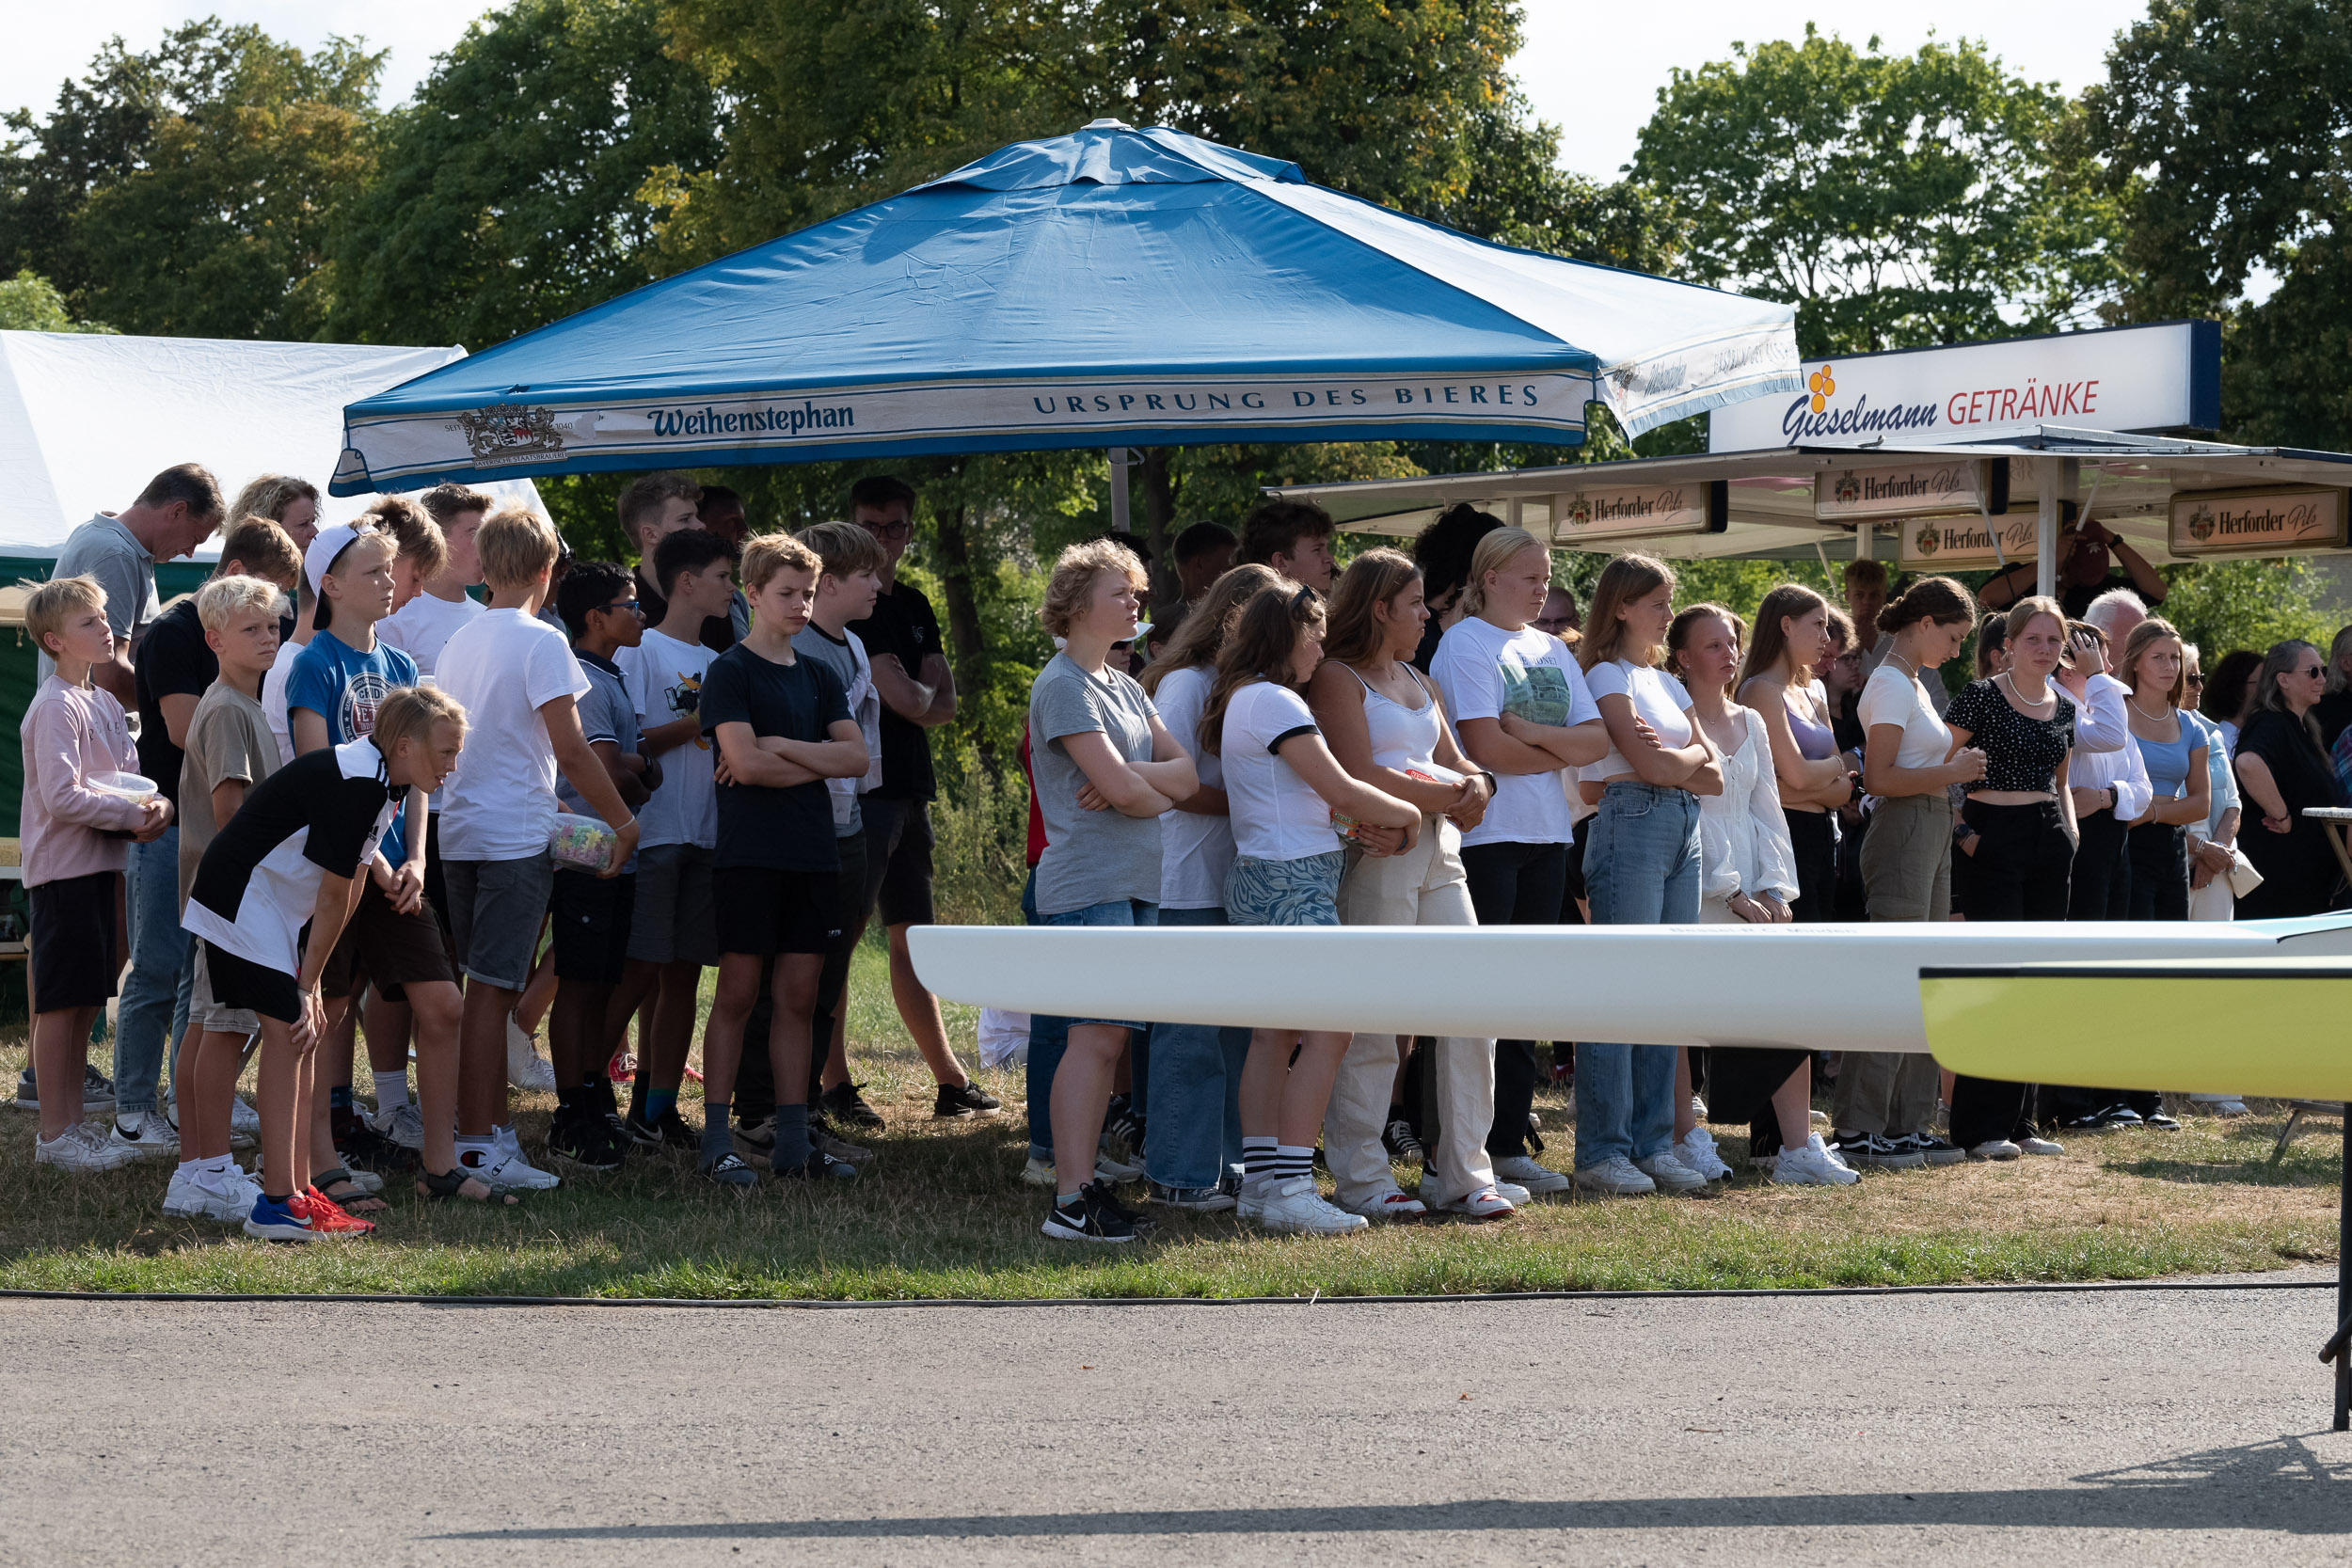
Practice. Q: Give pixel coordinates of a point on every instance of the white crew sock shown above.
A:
(391, 1089)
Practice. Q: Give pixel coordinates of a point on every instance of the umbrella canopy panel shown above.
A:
(1111, 286)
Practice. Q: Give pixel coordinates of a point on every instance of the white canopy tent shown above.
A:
(85, 421)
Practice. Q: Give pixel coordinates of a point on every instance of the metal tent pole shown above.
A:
(2343, 1285)
(2046, 525)
(1119, 456)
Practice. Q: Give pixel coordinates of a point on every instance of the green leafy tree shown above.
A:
(30, 303)
(2226, 125)
(1896, 200)
(187, 191)
(505, 195)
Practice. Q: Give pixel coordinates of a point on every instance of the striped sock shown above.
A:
(1290, 1160)
(1257, 1158)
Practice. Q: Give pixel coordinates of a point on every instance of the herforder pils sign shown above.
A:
(2274, 521)
(2128, 379)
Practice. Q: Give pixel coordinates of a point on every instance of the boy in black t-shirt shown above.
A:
(782, 726)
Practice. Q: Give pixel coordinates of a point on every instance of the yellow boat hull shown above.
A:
(2274, 1027)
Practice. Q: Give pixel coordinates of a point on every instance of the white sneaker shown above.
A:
(1670, 1174)
(1994, 1148)
(1292, 1206)
(402, 1124)
(1510, 1192)
(1697, 1152)
(1250, 1198)
(147, 1134)
(1485, 1204)
(1813, 1165)
(83, 1148)
(1615, 1177)
(1521, 1170)
(1390, 1205)
(226, 1197)
(2031, 1145)
(1111, 1167)
(510, 1172)
(525, 1068)
(244, 1123)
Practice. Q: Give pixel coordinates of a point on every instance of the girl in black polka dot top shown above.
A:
(2023, 817)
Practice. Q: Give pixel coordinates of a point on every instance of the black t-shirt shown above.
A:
(174, 661)
(718, 633)
(777, 829)
(259, 880)
(903, 625)
(2078, 599)
(2021, 752)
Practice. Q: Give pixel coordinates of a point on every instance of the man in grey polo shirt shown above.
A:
(178, 511)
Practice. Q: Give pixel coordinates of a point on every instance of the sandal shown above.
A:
(363, 1183)
(453, 1182)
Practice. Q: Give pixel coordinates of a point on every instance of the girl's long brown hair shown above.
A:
(1767, 646)
(1375, 577)
(1626, 578)
(1678, 634)
(1204, 626)
(1257, 648)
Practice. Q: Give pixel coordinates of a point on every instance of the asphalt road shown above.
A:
(2175, 1426)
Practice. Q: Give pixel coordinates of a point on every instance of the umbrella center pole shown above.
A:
(1120, 457)
(2339, 1346)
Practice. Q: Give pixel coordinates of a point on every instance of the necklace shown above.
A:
(2152, 717)
(2047, 695)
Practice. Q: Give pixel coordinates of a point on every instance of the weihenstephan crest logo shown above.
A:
(510, 433)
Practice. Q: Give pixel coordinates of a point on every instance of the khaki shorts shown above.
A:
(209, 1014)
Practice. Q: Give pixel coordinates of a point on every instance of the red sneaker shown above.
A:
(327, 1217)
(621, 1068)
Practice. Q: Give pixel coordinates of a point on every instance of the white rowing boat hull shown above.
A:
(1823, 987)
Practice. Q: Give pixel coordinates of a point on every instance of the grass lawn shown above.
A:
(942, 1214)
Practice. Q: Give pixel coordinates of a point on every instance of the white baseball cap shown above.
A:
(331, 542)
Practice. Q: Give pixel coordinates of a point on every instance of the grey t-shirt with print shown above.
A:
(104, 549)
(1091, 857)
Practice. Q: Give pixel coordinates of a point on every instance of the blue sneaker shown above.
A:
(276, 1222)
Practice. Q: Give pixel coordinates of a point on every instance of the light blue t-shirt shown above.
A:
(605, 713)
(345, 686)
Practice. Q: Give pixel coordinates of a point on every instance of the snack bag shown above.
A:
(580, 843)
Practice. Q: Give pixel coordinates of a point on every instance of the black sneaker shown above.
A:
(729, 1170)
(676, 1132)
(1125, 1129)
(1859, 1149)
(1140, 1220)
(823, 1142)
(640, 1132)
(98, 1091)
(586, 1143)
(1095, 1217)
(1402, 1147)
(964, 1099)
(363, 1148)
(2157, 1121)
(843, 1100)
(820, 1166)
(1197, 1200)
(1938, 1151)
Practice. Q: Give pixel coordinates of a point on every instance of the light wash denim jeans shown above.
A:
(154, 1012)
(1049, 1036)
(1641, 868)
(1192, 1076)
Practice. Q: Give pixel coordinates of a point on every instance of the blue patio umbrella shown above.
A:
(1136, 287)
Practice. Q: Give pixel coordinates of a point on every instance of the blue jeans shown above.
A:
(154, 1012)
(1049, 1036)
(1193, 1074)
(1641, 868)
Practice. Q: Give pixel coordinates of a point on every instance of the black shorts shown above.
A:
(74, 959)
(590, 915)
(766, 912)
(384, 947)
(255, 988)
(898, 841)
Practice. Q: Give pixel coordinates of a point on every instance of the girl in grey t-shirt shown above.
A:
(1104, 768)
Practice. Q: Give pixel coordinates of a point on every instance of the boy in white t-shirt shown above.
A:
(425, 622)
(518, 682)
(674, 934)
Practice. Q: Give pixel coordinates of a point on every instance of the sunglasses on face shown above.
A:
(2314, 673)
(623, 607)
(2194, 680)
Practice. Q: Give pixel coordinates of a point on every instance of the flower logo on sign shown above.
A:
(1823, 386)
(1930, 539)
(2200, 524)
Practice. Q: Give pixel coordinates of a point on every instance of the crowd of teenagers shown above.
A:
(358, 767)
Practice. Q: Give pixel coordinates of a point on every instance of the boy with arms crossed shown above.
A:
(782, 726)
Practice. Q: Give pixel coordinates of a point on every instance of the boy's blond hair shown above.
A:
(222, 598)
(410, 712)
(262, 548)
(53, 603)
(418, 536)
(766, 554)
(844, 549)
(515, 546)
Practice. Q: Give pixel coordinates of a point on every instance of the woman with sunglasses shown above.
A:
(2284, 772)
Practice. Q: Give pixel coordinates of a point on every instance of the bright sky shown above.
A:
(1593, 70)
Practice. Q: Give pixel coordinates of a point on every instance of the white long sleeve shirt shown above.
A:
(2105, 756)
(1743, 836)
